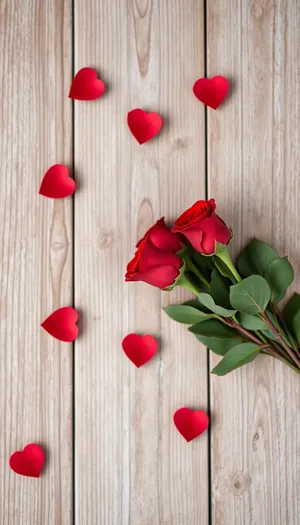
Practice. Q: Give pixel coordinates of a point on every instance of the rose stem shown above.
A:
(193, 268)
(256, 340)
(265, 348)
(279, 317)
(281, 340)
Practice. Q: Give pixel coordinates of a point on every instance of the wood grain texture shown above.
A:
(35, 259)
(131, 466)
(253, 174)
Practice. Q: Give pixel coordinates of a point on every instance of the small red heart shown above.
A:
(28, 462)
(86, 85)
(212, 91)
(61, 324)
(144, 126)
(56, 183)
(139, 349)
(189, 423)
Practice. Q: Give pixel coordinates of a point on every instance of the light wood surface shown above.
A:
(131, 464)
(35, 258)
(253, 174)
(131, 467)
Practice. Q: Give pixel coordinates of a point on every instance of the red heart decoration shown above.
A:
(189, 423)
(144, 126)
(139, 349)
(212, 91)
(28, 462)
(61, 324)
(56, 183)
(86, 85)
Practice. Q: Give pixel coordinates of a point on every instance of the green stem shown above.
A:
(258, 338)
(280, 319)
(187, 283)
(223, 254)
(193, 268)
(281, 340)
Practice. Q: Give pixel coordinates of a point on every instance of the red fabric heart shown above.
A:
(28, 462)
(86, 85)
(144, 126)
(139, 349)
(56, 183)
(61, 324)
(212, 91)
(189, 423)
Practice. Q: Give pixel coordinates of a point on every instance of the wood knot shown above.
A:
(255, 440)
(239, 483)
(105, 238)
(57, 246)
(260, 8)
(179, 144)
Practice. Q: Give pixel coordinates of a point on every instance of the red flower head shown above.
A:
(202, 227)
(162, 237)
(153, 266)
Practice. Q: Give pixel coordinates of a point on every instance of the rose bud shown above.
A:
(202, 227)
(162, 237)
(153, 266)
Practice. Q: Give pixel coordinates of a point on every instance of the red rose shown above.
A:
(202, 227)
(162, 237)
(153, 266)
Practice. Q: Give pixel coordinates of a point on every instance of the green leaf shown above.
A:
(219, 346)
(291, 316)
(223, 269)
(279, 274)
(185, 314)
(255, 258)
(204, 263)
(269, 335)
(195, 304)
(214, 328)
(251, 295)
(237, 356)
(251, 322)
(208, 302)
(219, 289)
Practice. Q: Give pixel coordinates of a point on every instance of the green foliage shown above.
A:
(227, 309)
(194, 303)
(255, 258)
(213, 328)
(291, 316)
(186, 314)
(216, 335)
(219, 289)
(219, 346)
(223, 269)
(251, 322)
(251, 295)
(279, 274)
(204, 263)
(208, 302)
(236, 357)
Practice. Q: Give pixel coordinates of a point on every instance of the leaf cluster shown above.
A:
(238, 319)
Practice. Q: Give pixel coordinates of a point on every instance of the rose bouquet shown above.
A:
(235, 312)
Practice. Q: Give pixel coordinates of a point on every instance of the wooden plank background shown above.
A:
(123, 418)
(253, 174)
(128, 465)
(35, 258)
